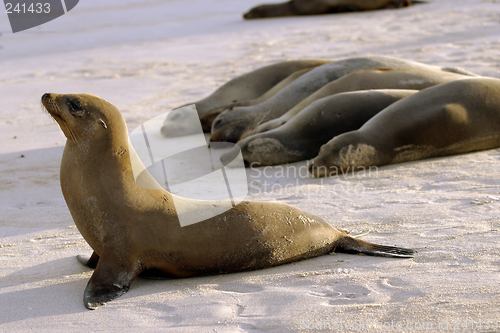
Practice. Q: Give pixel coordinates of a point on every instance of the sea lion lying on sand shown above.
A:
(133, 229)
(231, 125)
(302, 137)
(415, 79)
(315, 7)
(451, 118)
(248, 89)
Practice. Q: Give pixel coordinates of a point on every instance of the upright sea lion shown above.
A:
(133, 229)
(451, 118)
(315, 7)
(417, 79)
(302, 137)
(231, 124)
(240, 91)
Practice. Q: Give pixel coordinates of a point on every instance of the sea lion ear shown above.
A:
(103, 124)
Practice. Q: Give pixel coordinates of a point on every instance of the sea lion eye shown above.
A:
(217, 123)
(175, 117)
(75, 107)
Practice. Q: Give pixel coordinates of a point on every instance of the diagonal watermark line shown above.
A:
(147, 144)
(165, 175)
(64, 6)
(228, 187)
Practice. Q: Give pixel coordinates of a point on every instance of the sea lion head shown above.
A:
(271, 10)
(262, 150)
(229, 126)
(323, 165)
(343, 154)
(180, 122)
(85, 118)
(256, 12)
(208, 118)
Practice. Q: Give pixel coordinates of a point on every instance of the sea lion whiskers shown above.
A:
(50, 106)
(250, 130)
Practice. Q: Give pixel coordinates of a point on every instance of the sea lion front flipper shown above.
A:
(111, 279)
(90, 262)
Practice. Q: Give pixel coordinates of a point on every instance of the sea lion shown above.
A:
(230, 125)
(416, 79)
(302, 137)
(207, 119)
(133, 229)
(239, 91)
(315, 7)
(451, 118)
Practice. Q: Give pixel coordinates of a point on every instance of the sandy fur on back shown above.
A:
(417, 152)
(357, 155)
(269, 150)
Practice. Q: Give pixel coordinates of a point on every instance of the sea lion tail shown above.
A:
(352, 245)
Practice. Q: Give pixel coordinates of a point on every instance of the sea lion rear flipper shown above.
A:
(356, 246)
(90, 262)
(111, 279)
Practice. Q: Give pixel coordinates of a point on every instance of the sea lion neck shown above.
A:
(103, 152)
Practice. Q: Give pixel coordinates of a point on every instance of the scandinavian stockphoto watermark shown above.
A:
(295, 180)
(26, 14)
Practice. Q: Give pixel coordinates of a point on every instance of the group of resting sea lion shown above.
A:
(135, 230)
(353, 113)
(314, 7)
(376, 101)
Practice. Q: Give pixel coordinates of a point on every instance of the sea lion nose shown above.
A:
(311, 167)
(164, 130)
(47, 96)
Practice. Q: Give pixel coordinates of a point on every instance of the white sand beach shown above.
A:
(147, 57)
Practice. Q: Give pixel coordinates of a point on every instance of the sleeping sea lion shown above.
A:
(451, 118)
(246, 89)
(230, 125)
(315, 7)
(415, 79)
(302, 137)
